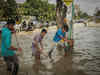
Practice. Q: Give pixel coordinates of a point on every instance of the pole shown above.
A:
(70, 36)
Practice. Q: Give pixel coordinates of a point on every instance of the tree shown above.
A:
(2, 6)
(61, 10)
(97, 15)
(82, 15)
(8, 8)
(40, 8)
(11, 8)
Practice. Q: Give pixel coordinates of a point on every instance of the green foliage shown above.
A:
(11, 8)
(83, 15)
(97, 16)
(2, 7)
(39, 8)
(7, 8)
(97, 13)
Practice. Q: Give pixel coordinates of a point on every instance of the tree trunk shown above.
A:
(61, 10)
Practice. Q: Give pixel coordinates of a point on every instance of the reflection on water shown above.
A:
(87, 50)
(85, 57)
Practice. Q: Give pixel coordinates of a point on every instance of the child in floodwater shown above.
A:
(60, 37)
(36, 50)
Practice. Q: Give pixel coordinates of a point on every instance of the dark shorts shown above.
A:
(10, 60)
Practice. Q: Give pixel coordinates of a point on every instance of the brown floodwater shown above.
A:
(84, 59)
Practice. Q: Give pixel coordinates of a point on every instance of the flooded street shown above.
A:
(83, 60)
(87, 49)
(21, 22)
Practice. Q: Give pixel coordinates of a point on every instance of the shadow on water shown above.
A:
(65, 66)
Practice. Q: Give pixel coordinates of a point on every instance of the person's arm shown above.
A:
(59, 32)
(12, 48)
(41, 50)
(69, 41)
(66, 39)
(41, 44)
(8, 42)
(62, 37)
(36, 43)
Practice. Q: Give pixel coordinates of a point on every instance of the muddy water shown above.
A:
(83, 60)
(85, 56)
(86, 53)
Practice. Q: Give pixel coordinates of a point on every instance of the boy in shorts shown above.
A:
(60, 37)
(36, 50)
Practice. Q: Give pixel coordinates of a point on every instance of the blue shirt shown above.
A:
(58, 34)
(6, 43)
